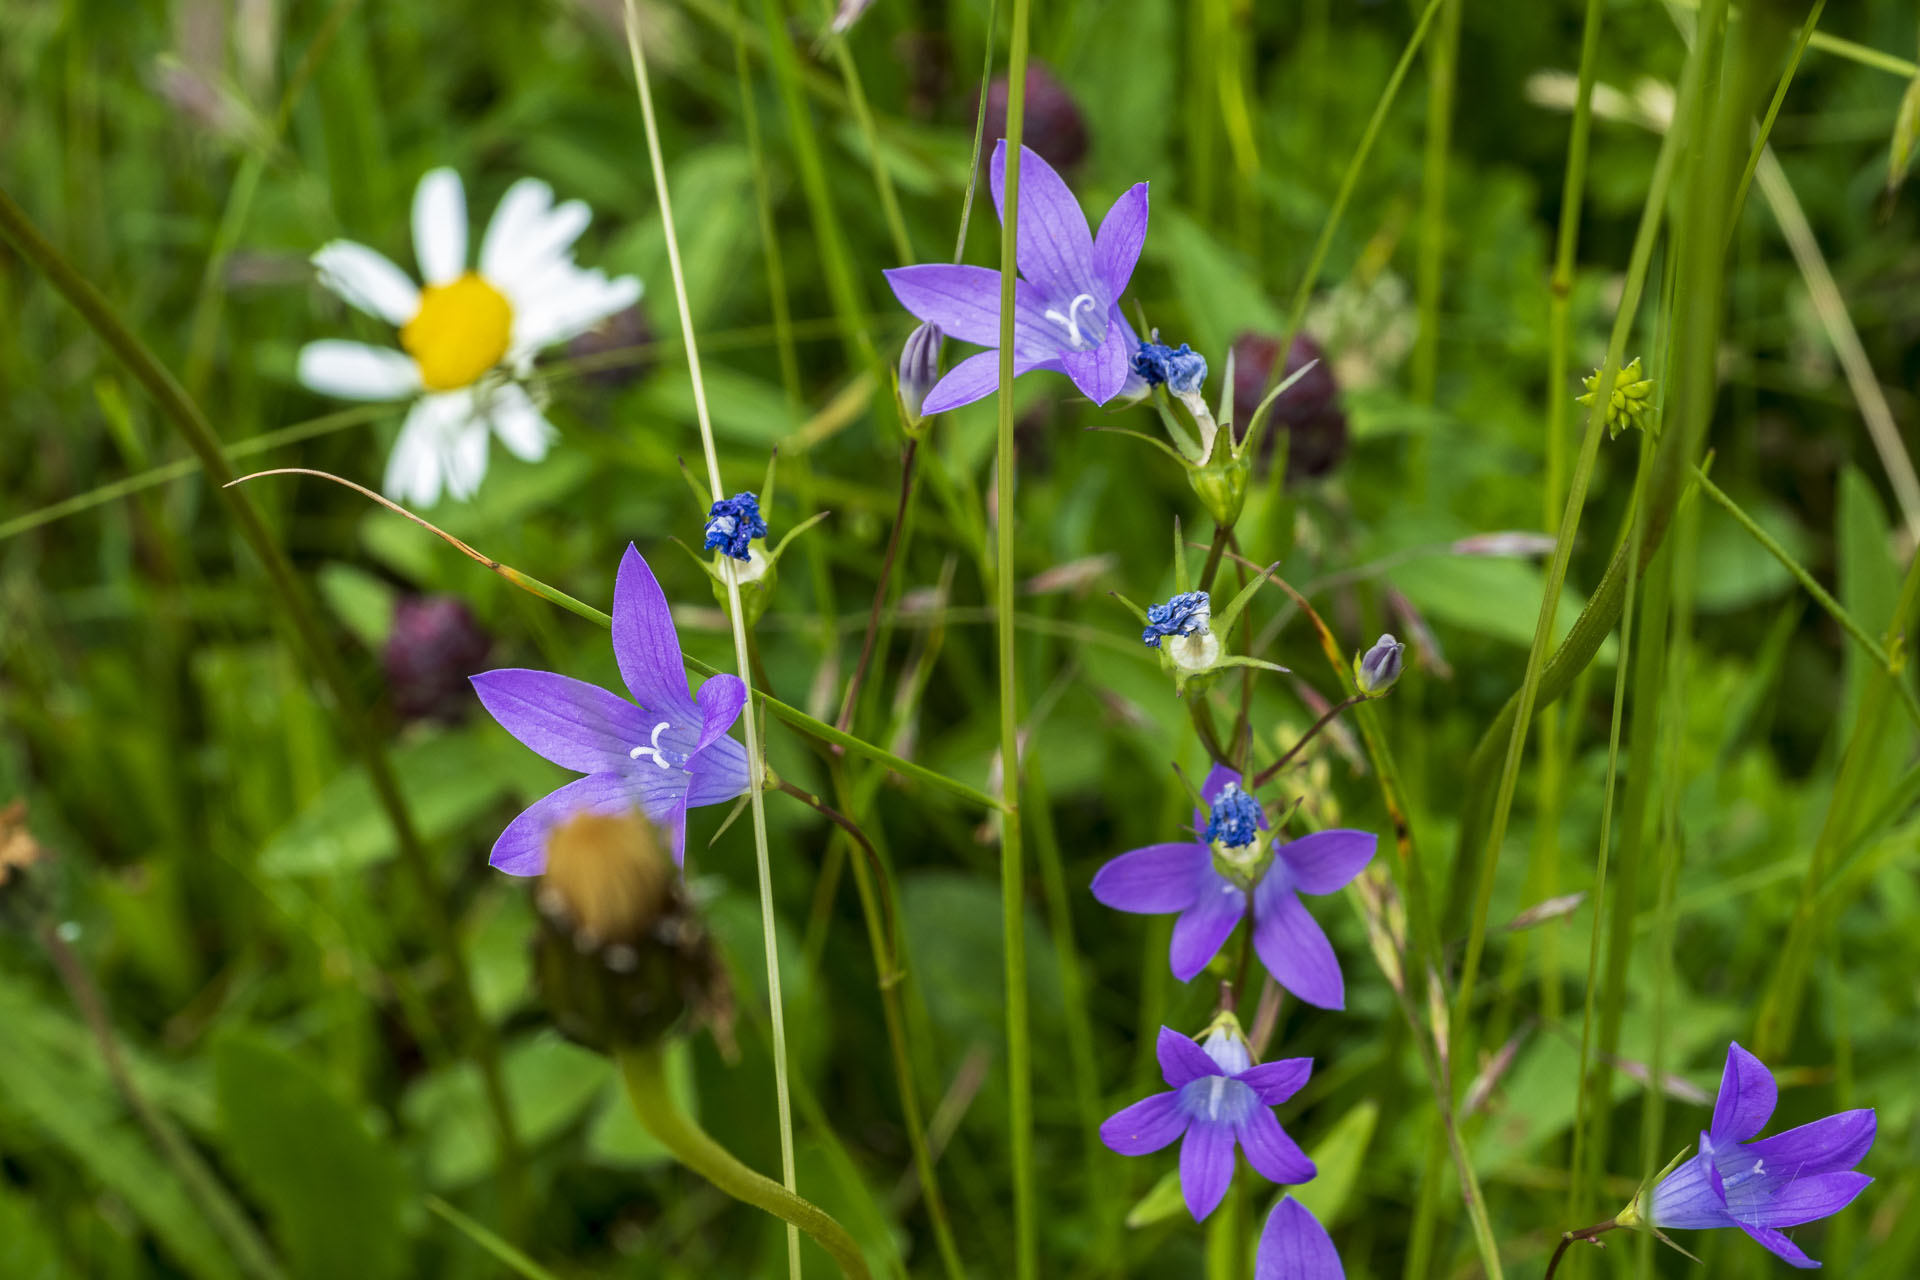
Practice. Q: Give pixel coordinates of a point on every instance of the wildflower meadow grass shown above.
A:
(969, 639)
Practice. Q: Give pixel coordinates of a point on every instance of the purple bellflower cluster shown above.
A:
(733, 524)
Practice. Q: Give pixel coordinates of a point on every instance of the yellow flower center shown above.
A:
(459, 333)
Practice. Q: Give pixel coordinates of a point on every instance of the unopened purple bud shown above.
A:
(919, 366)
(434, 646)
(1376, 669)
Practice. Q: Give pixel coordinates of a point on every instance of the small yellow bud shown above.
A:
(1632, 402)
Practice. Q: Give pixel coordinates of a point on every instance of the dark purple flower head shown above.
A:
(1219, 1099)
(1054, 124)
(1308, 415)
(734, 523)
(664, 756)
(1213, 885)
(434, 645)
(1066, 302)
(615, 351)
(1294, 1246)
(1794, 1177)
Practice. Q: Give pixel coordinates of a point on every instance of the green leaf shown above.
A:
(362, 602)
(1339, 1156)
(449, 781)
(1495, 598)
(1159, 1204)
(27, 1252)
(549, 1081)
(333, 1191)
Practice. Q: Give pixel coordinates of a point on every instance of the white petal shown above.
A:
(521, 426)
(440, 226)
(413, 472)
(356, 371)
(541, 246)
(466, 461)
(520, 213)
(570, 305)
(367, 280)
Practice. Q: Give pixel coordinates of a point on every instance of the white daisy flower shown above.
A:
(469, 335)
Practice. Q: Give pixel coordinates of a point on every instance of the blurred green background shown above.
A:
(223, 873)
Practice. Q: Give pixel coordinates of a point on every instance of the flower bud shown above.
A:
(919, 367)
(1631, 403)
(1055, 127)
(1376, 669)
(434, 645)
(1182, 369)
(621, 956)
(734, 523)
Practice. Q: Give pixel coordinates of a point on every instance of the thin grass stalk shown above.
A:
(756, 761)
(1578, 1195)
(1303, 292)
(203, 1186)
(1487, 845)
(1443, 59)
(1807, 30)
(300, 613)
(1012, 880)
(863, 118)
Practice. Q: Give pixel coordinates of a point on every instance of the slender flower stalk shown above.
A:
(756, 761)
(1012, 882)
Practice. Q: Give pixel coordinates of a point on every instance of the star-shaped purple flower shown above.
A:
(1219, 1099)
(1783, 1181)
(666, 755)
(1066, 302)
(1294, 1246)
(1214, 881)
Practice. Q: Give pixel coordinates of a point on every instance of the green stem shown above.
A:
(187, 419)
(736, 612)
(1012, 881)
(1443, 57)
(644, 1071)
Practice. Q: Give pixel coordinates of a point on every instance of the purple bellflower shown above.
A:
(1066, 302)
(1294, 1246)
(734, 523)
(1219, 1098)
(664, 756)
(1791, 1178)
(1214, 881)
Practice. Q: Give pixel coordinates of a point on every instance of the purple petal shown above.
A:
(720, 700)
(1206, 1166)
(1202, 928)
(1181, 1060)
(1269, 1150)
(1294, 1246)
(1685, 1199)
(1160, 877)
(1117, 246)
(1747, 1097)
(644, 642)
(719, 774)
(1293, 947)
(1100, 371)
(576, 725)
(976, 378)
(1146, 1126)
(1826, 1146)
(1809, 1199)
(1326, 860)
(1053, 248)
(963, 301)
(1275, 1082)
(521, 849)
(674, 822)
(1781, 1247)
